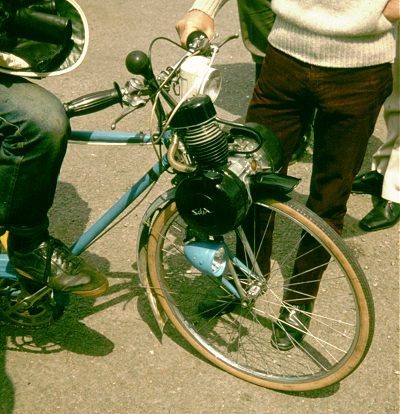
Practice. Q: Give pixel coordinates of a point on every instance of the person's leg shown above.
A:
(282, 103)
(349, 104)
(289, 127)
(386, 165)
(344, 122)
(281, 100)
(386, 162)
(33, 136)
(386, 159)
(383, 181)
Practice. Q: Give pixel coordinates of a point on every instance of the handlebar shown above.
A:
(136, 93)
(197, 41)
(93, 102)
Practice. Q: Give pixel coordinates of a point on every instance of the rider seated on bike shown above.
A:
(34, 130)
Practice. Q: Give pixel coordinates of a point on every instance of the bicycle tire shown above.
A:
(342, 322)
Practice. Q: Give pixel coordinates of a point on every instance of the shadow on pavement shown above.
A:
(234, 96)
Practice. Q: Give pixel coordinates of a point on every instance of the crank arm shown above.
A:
(28, 301)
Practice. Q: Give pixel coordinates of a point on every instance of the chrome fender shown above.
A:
(141, 253)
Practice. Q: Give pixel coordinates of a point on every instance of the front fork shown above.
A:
(214, 258)
(255, 281)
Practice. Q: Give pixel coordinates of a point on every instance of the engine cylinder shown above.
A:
(196, 125)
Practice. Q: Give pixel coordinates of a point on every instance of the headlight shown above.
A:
(207, 256)
(199, 78)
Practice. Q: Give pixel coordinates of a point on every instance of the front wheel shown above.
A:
(240, 342)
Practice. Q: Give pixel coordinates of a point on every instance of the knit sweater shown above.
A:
(340, 33)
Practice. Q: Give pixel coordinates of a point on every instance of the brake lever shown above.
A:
(133, 88)
(131, 99)
(226, 40)
(135, 103)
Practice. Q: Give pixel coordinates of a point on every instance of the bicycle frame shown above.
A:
(141, 185)
(84, 241)
(150, 177)
(97, 101)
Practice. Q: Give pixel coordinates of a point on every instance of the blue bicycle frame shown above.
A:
(132, 194)
(150, 177)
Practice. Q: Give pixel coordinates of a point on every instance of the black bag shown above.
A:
(41, 38)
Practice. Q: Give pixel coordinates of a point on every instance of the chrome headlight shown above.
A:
(199, 78)
(207, 256)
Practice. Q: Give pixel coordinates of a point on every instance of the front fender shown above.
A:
(267, 184)
(141, 253)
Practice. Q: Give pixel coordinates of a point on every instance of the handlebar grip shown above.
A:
(43, 27)
(197, 40)
(93, 102)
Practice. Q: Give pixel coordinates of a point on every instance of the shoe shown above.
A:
(385, 214)
(368, 183)
(291, 326)
(53, 264)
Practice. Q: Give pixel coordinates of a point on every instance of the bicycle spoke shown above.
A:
(241, 340)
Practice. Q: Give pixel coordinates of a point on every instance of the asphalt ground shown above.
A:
(106, 355)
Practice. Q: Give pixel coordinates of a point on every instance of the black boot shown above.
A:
(385, 214)
(52, 264)
(291, 326)
(368, 183)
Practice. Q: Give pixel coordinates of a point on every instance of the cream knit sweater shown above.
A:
(329, 33)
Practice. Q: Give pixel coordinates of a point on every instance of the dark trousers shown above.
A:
(33, 137)
(347, 104)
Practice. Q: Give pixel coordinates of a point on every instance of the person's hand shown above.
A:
(392, 10)
(194, 20)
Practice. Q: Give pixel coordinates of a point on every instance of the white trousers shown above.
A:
(386, 159)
